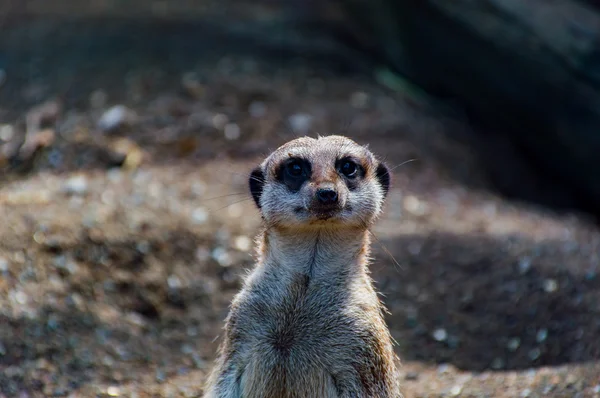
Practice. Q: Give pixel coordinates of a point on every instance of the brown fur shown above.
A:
(308, 322)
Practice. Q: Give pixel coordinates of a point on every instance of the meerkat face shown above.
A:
(320, 182)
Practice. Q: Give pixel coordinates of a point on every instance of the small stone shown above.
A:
(300, 123)
(359, 100)
(525, 393)
(497, 363)
(440, 335)
(257, 109)
(411, 376)
(456, 390)
(199, 216)
(413, 205)
(113, 391)
(513, 344)
(596, 389)
(174, 282)
(20, 297)
(243, 243)
(76, 185)
(232, 131)
(444, 368)
(115, 117)
(534, 354)
(98, 99)
(550, 285)
(202, 254)
(221, 256)
(7, 132)
(220, 121)
(187, 349)
(4, 264)
(143, 247)
(542, 335)
(524, 265)
(160, 376)
(192, 85)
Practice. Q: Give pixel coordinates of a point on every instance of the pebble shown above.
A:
(98, 99)
(160, 376)
(497, 363)
(199, 216)
(4, 264)
(513, 344)
(596, 389)
(542, 335)
(359, 100)
(524, 265)
(534, 354)
(413, 205)
(192, 85)
(440, 334)
(411, 376)
(115, 117)
(456, 390)
(525, 393)
(219, 121)
(243, 243)
(550, 285)
(232, 131)
(76, 185)
(7, 132)
(221, 256)
(174, 282)
(257, 109)
(300, 123)
(113, 391)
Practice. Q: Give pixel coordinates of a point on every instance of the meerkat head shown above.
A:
(322, 182)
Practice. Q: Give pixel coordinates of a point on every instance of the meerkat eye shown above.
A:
(349, 168)
(295, 168)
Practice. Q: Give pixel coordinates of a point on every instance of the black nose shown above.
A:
(327, 196)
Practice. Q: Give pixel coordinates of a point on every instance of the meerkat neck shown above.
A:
(315, 253)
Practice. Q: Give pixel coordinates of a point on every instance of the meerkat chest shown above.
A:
(310, 321)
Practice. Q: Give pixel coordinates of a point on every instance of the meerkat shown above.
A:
(308, 322)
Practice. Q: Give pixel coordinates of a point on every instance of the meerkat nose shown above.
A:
(327, 196)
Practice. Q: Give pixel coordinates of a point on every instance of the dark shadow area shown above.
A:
(505, 303)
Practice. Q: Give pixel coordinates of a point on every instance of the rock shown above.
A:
(440, 335)
(76, 185)
(115, 118)
(232, 131)
(300, 123)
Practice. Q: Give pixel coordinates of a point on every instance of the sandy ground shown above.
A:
(125, 237)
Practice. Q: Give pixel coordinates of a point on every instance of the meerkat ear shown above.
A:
(383, 176)
(256, 183)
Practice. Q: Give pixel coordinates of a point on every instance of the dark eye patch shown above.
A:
(352, 171)
(294, 172)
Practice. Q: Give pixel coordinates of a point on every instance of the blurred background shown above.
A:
(128, 128)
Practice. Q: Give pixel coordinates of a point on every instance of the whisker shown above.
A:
(402, 164)
(231, 204)
(224, 196)
(385, 249)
